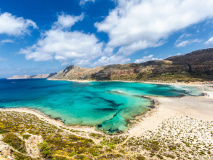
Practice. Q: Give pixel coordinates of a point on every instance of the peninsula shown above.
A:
(191, 67)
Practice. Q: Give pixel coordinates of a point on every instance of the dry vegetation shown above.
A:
(25, 136)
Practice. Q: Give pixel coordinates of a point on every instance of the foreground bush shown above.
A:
(45, 150)
(15, 142)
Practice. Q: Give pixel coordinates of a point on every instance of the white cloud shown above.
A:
(186, 42)
(115, 59)
(2, 42)
(62, 45)
(145, 59)
(138, 24)
(67, 21)
(135, 46)
(209, 43)
(83, 2)
(184, 35)
(13, 25)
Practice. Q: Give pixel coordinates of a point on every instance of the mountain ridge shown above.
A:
(193, 66)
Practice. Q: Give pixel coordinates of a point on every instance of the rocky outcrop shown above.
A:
(194, 66)
(76, 72)
(32, 145)
(200, 62)
(5, 149)
(39, 76)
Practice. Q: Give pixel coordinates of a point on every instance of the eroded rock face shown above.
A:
(5, 149)
(32, 145)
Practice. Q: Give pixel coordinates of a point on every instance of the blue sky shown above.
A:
(43, 36)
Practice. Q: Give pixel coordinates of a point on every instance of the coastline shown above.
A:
(154, 82)
(198, 107)
(53, 121)
(165, 108)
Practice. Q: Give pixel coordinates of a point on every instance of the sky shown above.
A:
(45, 36)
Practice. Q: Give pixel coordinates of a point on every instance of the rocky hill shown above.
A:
(194, 66)
(38, 76)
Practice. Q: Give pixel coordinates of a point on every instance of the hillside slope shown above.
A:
(194, 66)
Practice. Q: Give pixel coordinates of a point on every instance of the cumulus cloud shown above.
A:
(62, 45)
(114, 59)
(138, 24)
(12, 25)
(67, 21)
(186, 42)
(145, 59)
(2, 42)
(209, 43)
(83, 2)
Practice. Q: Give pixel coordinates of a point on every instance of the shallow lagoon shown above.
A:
(107, 105)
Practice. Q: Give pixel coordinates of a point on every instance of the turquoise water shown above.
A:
(106, 105)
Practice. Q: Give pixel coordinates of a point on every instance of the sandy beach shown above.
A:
(199, 107)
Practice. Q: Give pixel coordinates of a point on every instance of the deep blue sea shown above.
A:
(106, 105)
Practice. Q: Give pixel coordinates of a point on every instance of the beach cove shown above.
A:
(109, 106)
(172, 118)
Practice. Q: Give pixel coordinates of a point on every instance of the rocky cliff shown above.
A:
(194, 66)
(33, 76)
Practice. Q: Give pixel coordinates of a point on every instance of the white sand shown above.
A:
(199, 107)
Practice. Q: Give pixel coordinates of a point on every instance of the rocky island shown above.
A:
(39, 76)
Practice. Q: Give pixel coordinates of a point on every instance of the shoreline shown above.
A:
(164, 108)
(198, 107)
(152, 82)
(56, 122)
(59, 123)
(200, 85)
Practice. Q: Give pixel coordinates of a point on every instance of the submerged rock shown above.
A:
(115, 125)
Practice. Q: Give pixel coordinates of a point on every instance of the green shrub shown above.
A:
(19, 156)
(45, 150)
(96, 135)
(2, 131)
(93, 151)
(170, 156)
(26, 136)
(159, 156)
(79, 157)
(15, 142)
(140, 157)
(59, 158)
